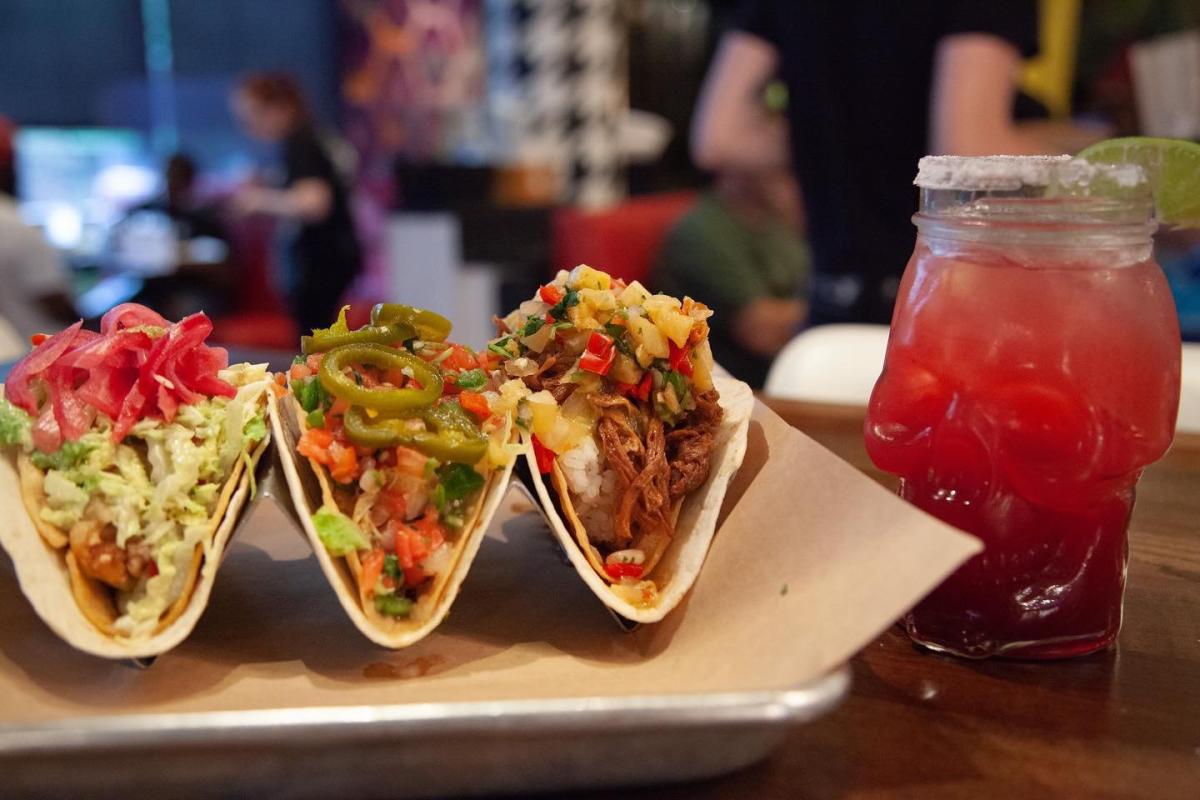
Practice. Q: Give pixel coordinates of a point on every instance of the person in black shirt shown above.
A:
(323, 250)
(872, 87)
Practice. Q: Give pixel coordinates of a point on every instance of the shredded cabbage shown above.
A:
(160, 484)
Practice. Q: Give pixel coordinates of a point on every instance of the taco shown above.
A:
(632, 428)
(132, 451)
(395, 461)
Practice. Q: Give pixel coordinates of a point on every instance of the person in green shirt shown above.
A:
(739, 250)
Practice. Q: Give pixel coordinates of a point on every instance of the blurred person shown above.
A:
(322, 250)
(872, 87)
(32, 274)
(740, 250)
(181, 243)
(179, 202)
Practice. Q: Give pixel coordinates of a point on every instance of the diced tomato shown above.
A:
(403, 546)
(551, 294)
(449, 383)
(343, 466)
(414, 576)
(618, 571)
(372, 568)
(431, 529)
(411, 462)
(395, 377)
(338, 407)
(418, 546)
(488, 360)
(474, 402)
(151, 569)
(460, 358)
(314, 361)
(299, 372)
(393, 504)
(315, 444)
(543, 455)
(38, 338)
(680, 358)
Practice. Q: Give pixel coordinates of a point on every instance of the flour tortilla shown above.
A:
(310, 489)
(79, 609)
(678, 564)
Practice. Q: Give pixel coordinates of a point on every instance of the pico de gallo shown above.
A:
(126, 438)
(396, 416)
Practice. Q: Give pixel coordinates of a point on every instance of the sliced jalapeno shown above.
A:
(438, 431)
(429, 325)
(382, 399)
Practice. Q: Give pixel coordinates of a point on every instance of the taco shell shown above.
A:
(310, 489)
(677, 564)
(78, 608)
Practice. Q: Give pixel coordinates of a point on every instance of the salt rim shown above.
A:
(1010, 173)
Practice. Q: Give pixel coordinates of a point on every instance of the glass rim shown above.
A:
(1002, 173)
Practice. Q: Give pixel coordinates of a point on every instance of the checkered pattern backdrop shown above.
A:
(567, 64)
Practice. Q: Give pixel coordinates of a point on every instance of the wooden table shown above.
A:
(1125, 723)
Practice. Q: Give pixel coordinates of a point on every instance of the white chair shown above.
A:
(830, 364)
(1189, 395)
(840, 363)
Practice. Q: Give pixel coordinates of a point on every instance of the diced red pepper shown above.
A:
(640, 390)
(38, 338)
(597, 364)
(543, 455)
(680, 358)
(618, 571)
(600, 353)
(551, 294)
(474, 402)
(598, 343)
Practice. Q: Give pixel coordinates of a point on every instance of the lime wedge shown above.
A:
(1173, 166)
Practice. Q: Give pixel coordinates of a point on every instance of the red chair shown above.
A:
(261, 321)
(623, 241)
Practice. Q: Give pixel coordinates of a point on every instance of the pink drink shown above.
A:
(1028, 381)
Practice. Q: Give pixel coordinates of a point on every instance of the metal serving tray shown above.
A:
(528, 686)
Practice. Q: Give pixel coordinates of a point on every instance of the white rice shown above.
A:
(593, 488)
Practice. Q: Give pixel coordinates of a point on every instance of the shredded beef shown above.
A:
(690, 445)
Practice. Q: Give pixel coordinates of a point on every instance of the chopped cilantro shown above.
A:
(532, 326)
(472, 379)
(559, 310)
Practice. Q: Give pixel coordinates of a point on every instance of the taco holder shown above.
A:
(526, 686)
